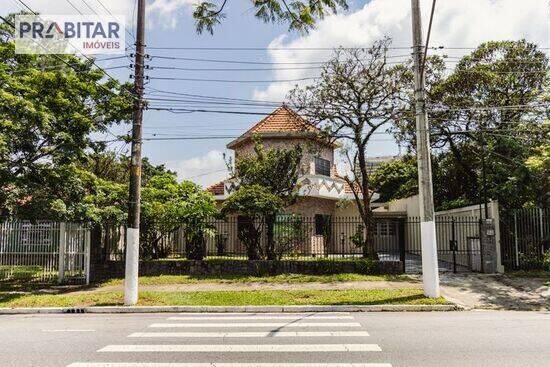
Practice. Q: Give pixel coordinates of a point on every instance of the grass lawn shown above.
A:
(225, 298)
(283, 278)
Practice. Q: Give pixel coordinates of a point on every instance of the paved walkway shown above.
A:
(479, 291)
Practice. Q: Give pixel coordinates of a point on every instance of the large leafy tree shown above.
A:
(489, 107)
(168, 205)
(357, 94)
(300, 15)
(396, 179)
(276, 169)
(255, 203)
(49, 107)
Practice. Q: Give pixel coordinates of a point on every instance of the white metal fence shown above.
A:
(44, 251)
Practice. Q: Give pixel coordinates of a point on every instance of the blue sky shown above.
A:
(463, 23)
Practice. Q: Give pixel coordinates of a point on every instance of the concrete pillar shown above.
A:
(488, 246)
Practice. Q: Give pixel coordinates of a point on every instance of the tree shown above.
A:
(276, 169)
(539, 168)
(48, 112)
(491, 106)
(168, 205)
(396, 179)
(300, 15)
(356, 95)
(255, 203)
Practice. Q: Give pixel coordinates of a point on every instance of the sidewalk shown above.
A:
(496, 292)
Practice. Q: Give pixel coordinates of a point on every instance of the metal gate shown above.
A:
(458, 244)
(44, 251)
(525, 238)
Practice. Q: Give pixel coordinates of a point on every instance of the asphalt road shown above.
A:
(283, 340)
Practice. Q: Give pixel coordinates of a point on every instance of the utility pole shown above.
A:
(430, 272)
(132, 234)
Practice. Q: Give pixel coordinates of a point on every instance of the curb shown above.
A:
(224, 309)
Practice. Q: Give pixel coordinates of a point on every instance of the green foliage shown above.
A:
(300, 15)
(465, 127)
(289, 234)
(277, 169)
(546, 259)
(396, 179)
(358, 238)
(47, 114)
(166, 206)
(255, 203)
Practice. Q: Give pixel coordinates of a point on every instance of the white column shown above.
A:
(430, 271)
(132, 264)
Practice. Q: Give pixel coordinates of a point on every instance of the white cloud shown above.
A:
(464, 23)
(204, 170)
(165, 13)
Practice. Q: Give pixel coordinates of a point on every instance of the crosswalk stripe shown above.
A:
(256, 324)
(220, 348)
(250, 334)
(261, 317)
(262, 313)
(103, 364)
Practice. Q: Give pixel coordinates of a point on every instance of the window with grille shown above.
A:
(322, 166)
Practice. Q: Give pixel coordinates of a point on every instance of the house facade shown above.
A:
(320, 187)
(323, 195)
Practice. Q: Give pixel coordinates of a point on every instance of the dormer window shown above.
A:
(322, 166)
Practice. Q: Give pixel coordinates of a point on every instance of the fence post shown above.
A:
(401, 233)
(516, 238)
(62, 245)
(541, 234)
(87, 252)
(454, 243)
(495, 215)
(488, 246)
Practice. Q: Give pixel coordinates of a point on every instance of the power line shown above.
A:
(243, 62)
(427, 39)
(232, 80)
(236, 69)
(204, 174)
(57, 56)
(270, 48)
(108, 11)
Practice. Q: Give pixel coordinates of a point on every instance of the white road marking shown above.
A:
(262, 317)
(251, 348)
(250, 334)
(260, 313)
(68, 330)
(86, 364)
(257, 324)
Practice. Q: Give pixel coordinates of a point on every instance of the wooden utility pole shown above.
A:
(430, 272)
(132, 234)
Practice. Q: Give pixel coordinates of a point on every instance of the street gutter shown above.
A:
(224, 309)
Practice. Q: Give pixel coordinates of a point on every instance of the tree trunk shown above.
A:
(366, 215)
(270, 245)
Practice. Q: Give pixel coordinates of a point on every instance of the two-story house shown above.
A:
(320, 186)
(322, 193)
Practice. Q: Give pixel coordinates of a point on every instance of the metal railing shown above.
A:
(331, 238)
(525, 237)
(44, 251)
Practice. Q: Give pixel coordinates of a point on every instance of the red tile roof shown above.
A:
(216, 189)
(282, 120)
